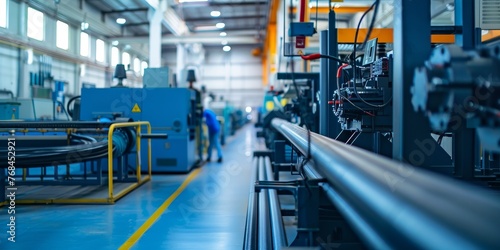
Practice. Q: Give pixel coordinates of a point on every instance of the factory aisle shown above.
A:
(208, 214)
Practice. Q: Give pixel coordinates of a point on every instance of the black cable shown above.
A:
(376, 4)
(372, 24)
(71, 100)
(88, 149)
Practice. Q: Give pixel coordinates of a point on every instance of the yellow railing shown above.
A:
(138, 125)
(110, 198)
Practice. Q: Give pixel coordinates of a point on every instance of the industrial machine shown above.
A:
(339, 188)
(460, 89)
(363, 103)
(169, 110)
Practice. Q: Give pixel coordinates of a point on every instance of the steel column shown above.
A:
(324, 110)
(412, 41)
(411, 132)
(464, 17)
(333, 50)
(464, 146)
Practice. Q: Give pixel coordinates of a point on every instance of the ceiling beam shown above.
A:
(125, 10)
(211, 39)
(135, 24)
(384, 35)
(338, 10)
(218, 4)
(223, 18)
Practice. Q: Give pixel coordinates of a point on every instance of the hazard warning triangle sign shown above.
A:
(136, 109)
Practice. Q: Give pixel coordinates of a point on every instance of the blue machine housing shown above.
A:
(169, 110)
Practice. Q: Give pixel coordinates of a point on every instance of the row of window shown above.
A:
(35, 30)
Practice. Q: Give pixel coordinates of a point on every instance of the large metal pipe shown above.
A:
(395, 205)
(277, 228)
(264, 224)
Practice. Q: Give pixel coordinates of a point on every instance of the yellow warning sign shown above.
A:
(136, 109)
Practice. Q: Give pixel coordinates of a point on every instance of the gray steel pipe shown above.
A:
(393, 205)
(264, 239)
(278, 230)
(250, 240)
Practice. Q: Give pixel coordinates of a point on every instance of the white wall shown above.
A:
(9, 68)
(66, 64)
(235, 75)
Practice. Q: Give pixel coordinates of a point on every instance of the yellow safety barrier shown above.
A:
(111, 197)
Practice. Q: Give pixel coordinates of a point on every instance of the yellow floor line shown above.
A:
(152, 219)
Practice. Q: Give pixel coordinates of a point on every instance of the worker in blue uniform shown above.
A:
(213, 134)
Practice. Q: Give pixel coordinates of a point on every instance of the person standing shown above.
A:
(213, 134)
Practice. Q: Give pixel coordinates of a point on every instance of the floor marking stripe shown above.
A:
(152, 219)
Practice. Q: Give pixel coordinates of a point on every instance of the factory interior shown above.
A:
(239, 124)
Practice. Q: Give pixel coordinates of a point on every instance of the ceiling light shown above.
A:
(226, 48)
(450, 6)
(223, 34)
(205, 28)
(223, 42)
(115, 43)
(215, 13)
(121, 20)
(220, 25)
(191, 1)
(84, 26)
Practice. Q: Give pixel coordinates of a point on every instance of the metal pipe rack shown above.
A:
(393, 205)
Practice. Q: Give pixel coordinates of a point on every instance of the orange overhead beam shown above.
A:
(339, 10)
(491, 35)
(270, 44)
(384, 35)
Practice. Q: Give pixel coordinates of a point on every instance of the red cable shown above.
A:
(310, 56)
(340, 69)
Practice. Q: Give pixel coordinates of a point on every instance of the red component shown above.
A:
(331, 102)
(300, 42)
(302, 13)
(340, 69)
(311, 56)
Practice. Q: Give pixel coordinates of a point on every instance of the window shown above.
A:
(62, 37)
(115, 56)
(126, 60)
(84, 44)
(144, 65)
(100, 50)
(137, 65)
(3, 13)
(35, 24)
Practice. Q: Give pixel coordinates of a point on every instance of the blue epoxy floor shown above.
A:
(208, 214)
